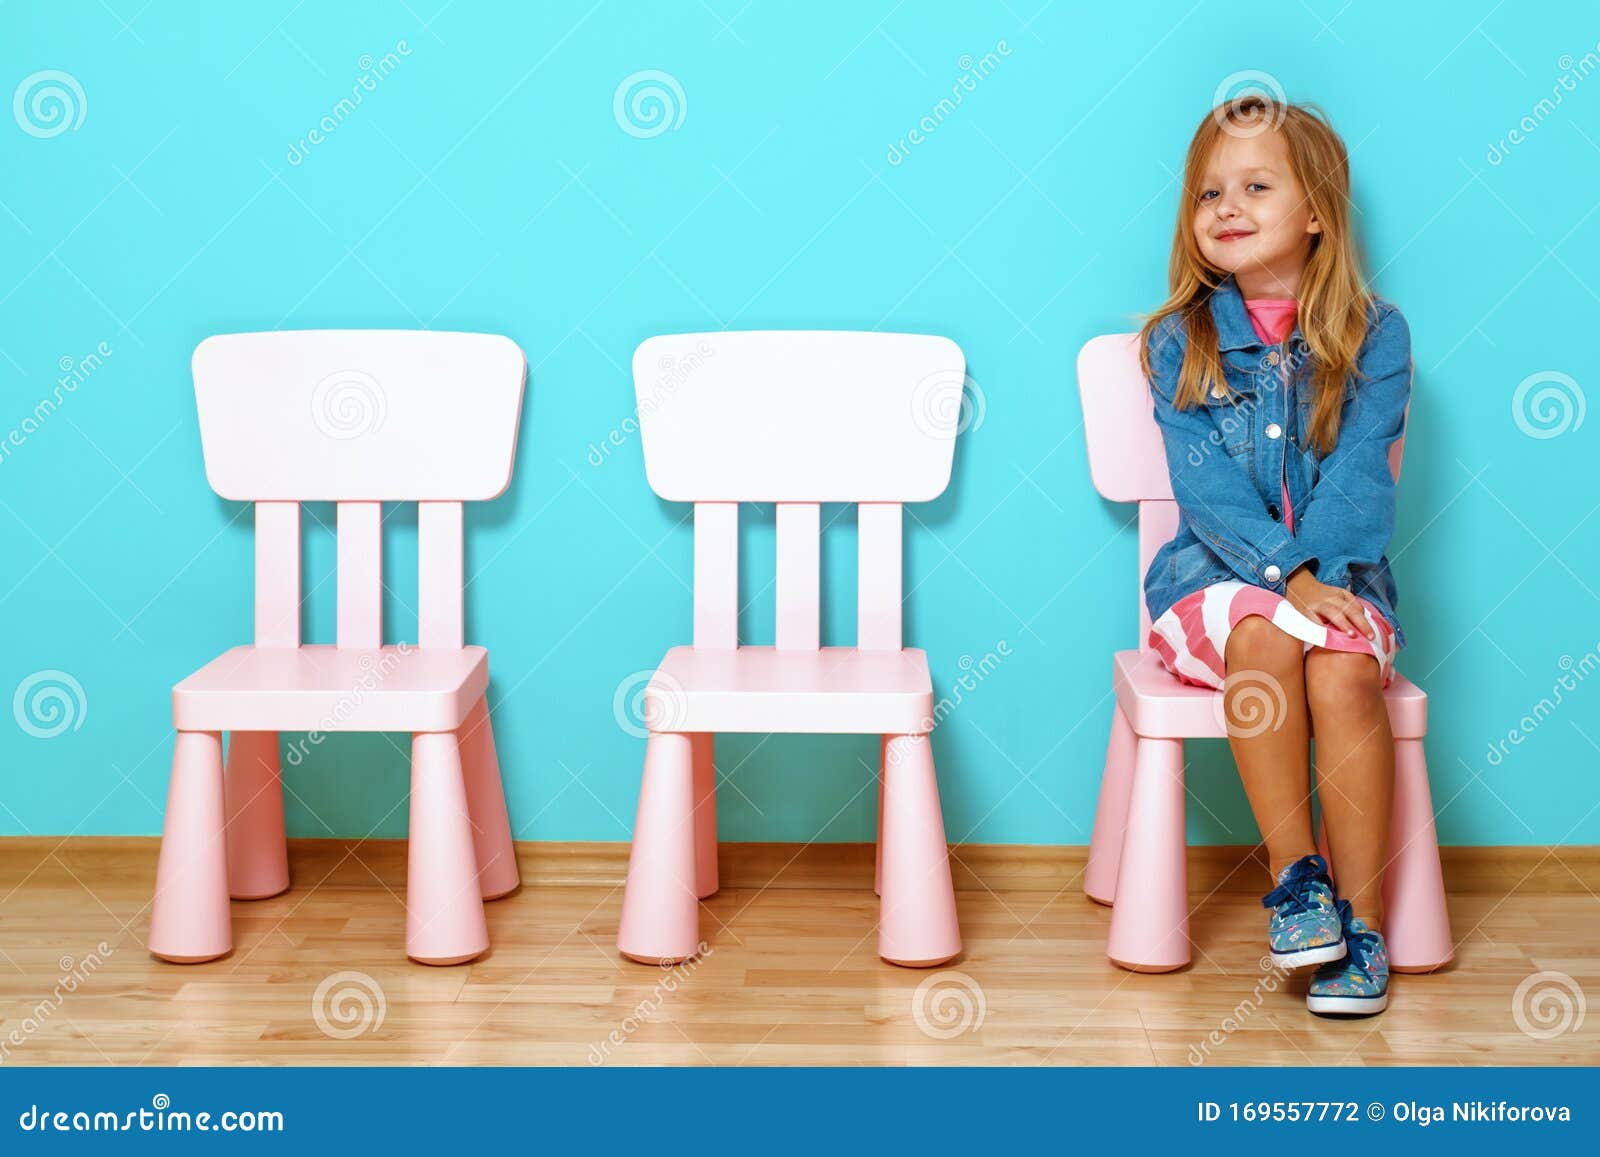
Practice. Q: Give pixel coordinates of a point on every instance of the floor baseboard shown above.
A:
(976, 867)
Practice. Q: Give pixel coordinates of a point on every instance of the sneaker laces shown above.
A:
(1293, 893)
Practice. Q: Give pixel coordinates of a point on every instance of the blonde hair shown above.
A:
(1333, 298)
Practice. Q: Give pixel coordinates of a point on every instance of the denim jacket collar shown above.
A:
(1234, 329)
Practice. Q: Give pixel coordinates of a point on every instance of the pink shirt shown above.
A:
(1273, 319)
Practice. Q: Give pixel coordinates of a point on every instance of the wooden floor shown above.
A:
(792, 976)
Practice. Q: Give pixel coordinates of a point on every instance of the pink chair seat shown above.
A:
(327, 688)
(832, 689)
(1160, 706)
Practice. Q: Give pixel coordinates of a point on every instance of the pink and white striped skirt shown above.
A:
(1192, 636)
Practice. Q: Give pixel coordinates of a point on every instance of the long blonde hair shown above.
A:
(1333, 298)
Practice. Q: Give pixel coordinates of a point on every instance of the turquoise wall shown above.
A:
(489, 180)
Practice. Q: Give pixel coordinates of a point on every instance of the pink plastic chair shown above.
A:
(796, 419)
(1139, 822)
(358, 418)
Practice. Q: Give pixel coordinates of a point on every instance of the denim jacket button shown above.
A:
(1274, 430)
(1272, 358)
(1272, 574)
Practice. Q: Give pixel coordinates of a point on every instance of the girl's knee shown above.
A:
(1256, 643)
(1342, 680)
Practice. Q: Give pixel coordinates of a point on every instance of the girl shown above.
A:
(1280, 384)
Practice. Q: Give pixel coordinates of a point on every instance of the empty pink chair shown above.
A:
(1139, 822)
(795, 419)
(358, 418)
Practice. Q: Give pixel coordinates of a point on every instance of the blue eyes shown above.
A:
(1253, 186)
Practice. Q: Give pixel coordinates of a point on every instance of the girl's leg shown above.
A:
(1355, 772)
(1264, 698)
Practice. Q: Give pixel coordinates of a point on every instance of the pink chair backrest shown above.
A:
(1127, 456)
(798, 419)
(358, 417)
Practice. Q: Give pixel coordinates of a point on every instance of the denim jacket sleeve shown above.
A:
(1348, 518)
(1214, 493)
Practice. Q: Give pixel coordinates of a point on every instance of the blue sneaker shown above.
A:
(1357, 985)
(1305, 926)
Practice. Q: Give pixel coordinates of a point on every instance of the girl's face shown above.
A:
(1253, 218)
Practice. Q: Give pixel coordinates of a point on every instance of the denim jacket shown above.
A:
(1230, 459)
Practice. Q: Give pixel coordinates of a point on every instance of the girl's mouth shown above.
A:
(1234, 235)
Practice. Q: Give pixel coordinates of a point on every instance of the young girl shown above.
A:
(1280, 384)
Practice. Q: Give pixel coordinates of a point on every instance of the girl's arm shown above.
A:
(1213, 491)
(1349, 515)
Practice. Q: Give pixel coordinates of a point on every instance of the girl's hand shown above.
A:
(1326, 604)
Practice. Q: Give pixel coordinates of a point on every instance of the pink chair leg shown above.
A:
(189, 919)
(703, 746)
(660, 912)
(444, 904)
(1151, 934)
(877, 853)
(258, 854)
(486, 803)
(917, 924)
(1111, 813)
(1416, 921)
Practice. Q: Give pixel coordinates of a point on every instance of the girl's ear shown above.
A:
(1314, 226)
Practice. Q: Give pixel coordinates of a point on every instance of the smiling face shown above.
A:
(1252, 217)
